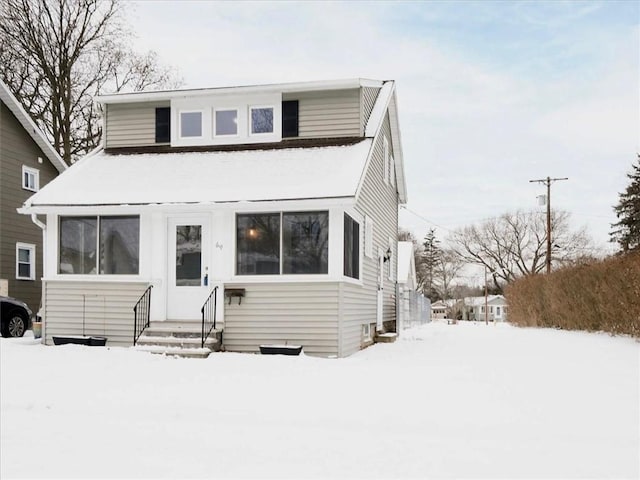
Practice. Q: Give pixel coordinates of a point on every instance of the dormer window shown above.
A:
(261, 119)
(226, 122)
(191, 124)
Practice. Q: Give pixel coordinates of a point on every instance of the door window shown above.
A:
(188, 255)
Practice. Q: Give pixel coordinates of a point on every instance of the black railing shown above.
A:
(208, 311)
(141, 314)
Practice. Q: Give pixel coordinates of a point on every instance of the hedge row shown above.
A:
(601, 296)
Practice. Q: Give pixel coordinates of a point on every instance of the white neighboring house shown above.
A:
(277, 202)
(439, 310)
(474, 308)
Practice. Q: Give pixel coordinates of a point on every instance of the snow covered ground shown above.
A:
(465, 400)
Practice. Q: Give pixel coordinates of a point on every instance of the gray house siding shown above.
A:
(132, 124)
(300, 313)
(17, 148)
(105, 308)
(368, 100)
(379, 201)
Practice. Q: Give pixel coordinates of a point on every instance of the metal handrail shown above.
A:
(141, 315)
(209, 313)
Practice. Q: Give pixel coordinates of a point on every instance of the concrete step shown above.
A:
(175, 351)
(388, 337)
(180, 339)
(172, 341)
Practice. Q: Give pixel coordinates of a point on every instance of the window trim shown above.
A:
(250, 121)
(385, 153)
(357, 241)
(97, 273)
(32, 260)
(36, 178)
(191, 137)
(214, 122)
(281, 272)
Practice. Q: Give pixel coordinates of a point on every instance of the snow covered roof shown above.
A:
(207, 177)
(32, 129)
(291, 87)
(479, 301)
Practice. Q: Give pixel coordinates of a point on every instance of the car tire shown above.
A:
(15, 326)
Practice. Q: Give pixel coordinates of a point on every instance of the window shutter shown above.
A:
(290, 118)
(163, 125)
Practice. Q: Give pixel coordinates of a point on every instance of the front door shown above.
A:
(188, 269)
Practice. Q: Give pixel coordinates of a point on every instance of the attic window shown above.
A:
(163, 125)
(226, 122)
(290, 118)
(190, 124)
(261, 120)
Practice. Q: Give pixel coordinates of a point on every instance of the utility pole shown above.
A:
(548, 181)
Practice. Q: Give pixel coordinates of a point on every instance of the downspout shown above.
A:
(43, 227)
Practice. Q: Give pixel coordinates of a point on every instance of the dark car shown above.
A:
(15, 317)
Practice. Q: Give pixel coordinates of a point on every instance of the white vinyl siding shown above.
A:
(277, 313)
(379, 201)
(333, 113)
(132, 124)
(368, 100)
(105, 308)
(368, 236)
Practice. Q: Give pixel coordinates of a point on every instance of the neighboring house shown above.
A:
(439, 310)
(412, 307)
(473, 308)
(284, 197)
(27, 163)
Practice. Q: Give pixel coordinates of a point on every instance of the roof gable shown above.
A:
(387, 102)
(31, 128)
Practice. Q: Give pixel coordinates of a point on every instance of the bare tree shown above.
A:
(514, 244)
(446, 271)
(57, 55)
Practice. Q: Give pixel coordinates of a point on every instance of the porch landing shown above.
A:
(179, 338)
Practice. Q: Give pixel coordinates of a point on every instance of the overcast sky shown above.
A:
(491, 94)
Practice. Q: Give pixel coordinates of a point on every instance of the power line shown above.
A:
(425, 219)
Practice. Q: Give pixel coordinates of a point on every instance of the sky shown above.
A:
(491, 94)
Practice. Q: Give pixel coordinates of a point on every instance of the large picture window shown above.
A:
(351, 247)
(282, 243)
(105, 245)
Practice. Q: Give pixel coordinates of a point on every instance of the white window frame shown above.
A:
(31, 172)
(392, 170)
(214, 122)
(385, 151)
(368, 236)
(250, 122)
(32, 260)
(366, 332)
(191, 137)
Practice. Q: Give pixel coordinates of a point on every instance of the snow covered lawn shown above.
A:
(465, 400)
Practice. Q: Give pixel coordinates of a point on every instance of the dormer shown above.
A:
(262, 114)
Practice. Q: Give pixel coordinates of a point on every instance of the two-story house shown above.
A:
(273, 208)
(27, 162)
